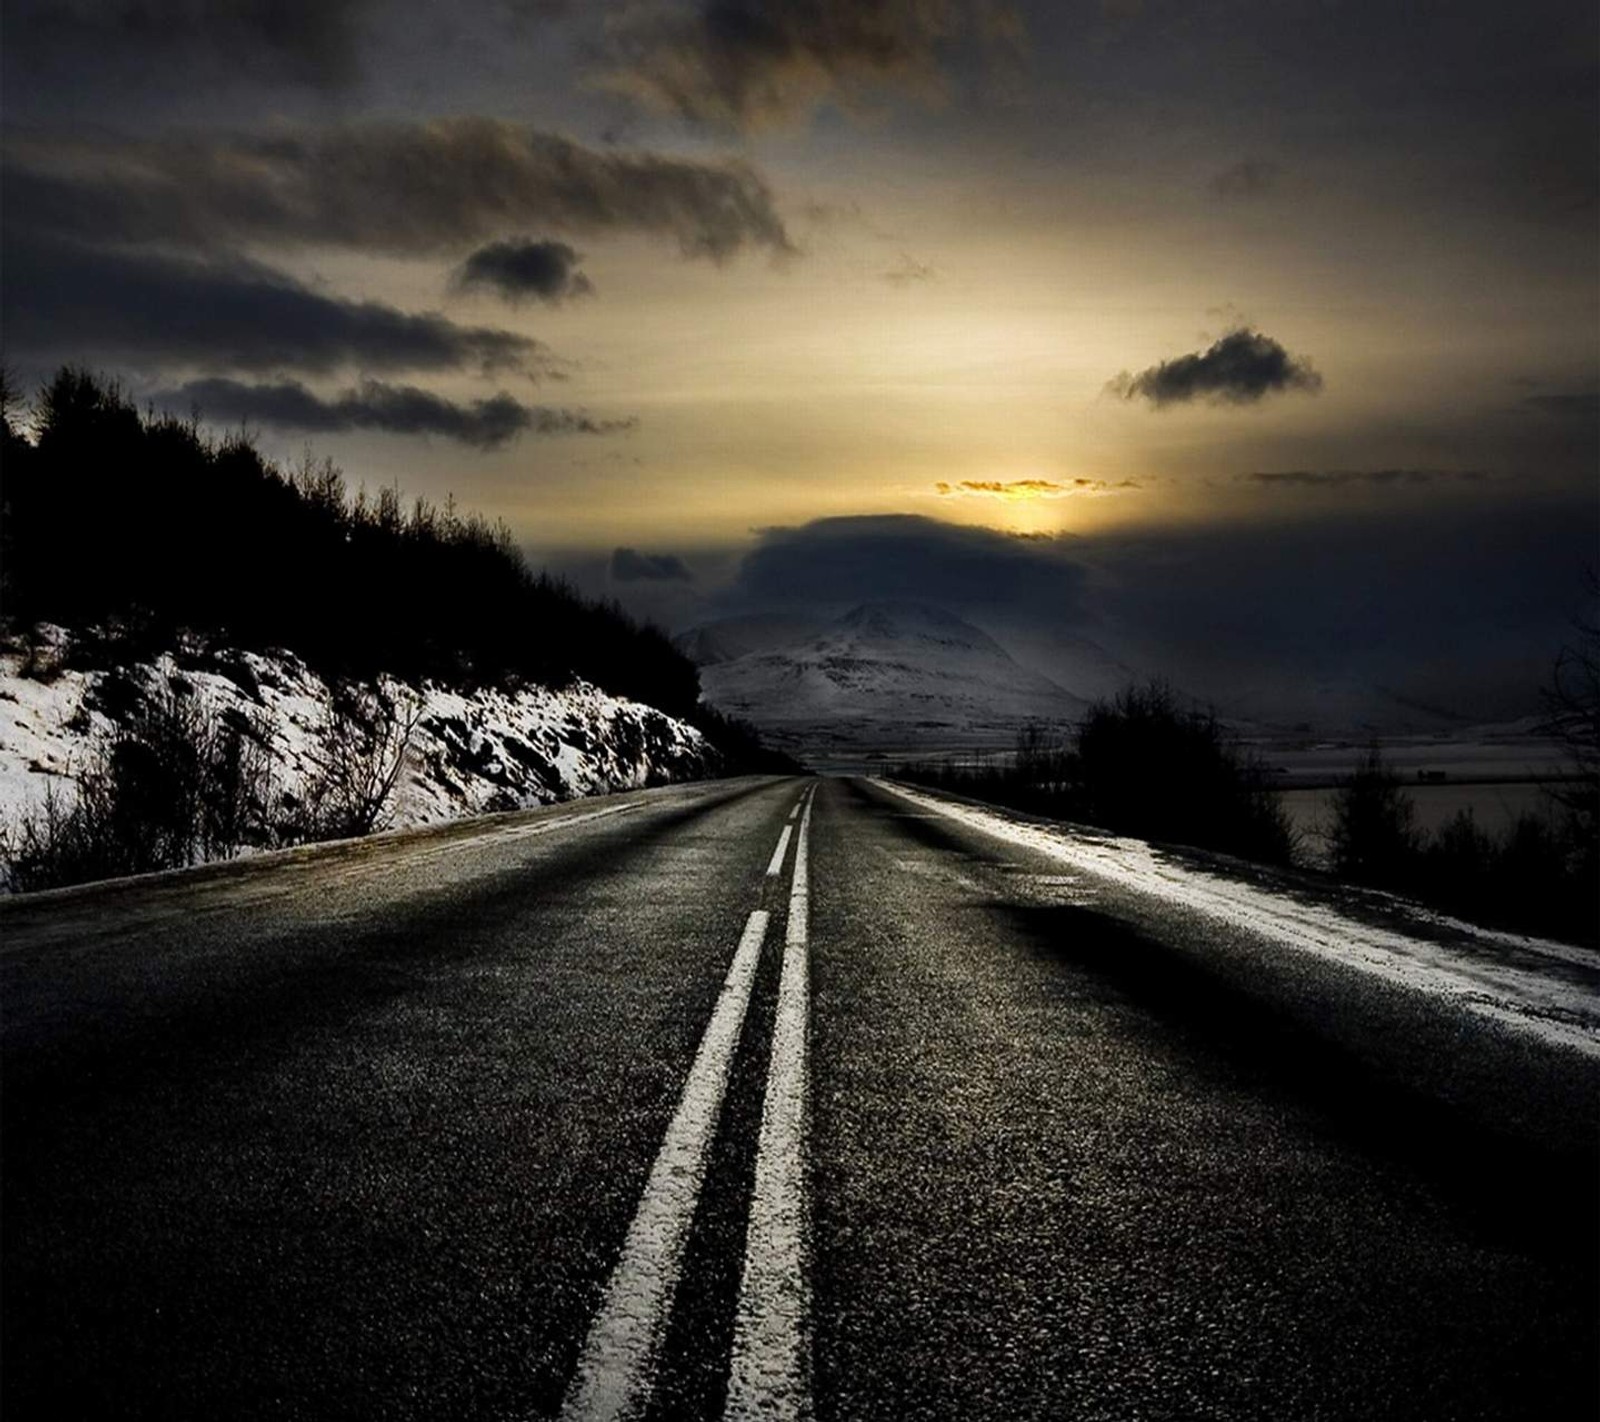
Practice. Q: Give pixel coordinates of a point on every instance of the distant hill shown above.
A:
(885, 676)
(730, 638)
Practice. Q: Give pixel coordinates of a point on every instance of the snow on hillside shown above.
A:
(887, 674)
(470, 753)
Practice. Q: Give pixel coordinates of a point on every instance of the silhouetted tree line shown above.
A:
(1146, 766)
(1541, 875)
(140, 523)
(1143, 765)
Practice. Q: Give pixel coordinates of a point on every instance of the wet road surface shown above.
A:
(778, 1098)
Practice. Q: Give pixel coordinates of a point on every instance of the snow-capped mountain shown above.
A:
(886, 675)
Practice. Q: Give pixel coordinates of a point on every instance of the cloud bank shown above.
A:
(63, 300)
(836, 561)
(1266, 619)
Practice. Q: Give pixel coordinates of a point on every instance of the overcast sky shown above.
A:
(1253, 324)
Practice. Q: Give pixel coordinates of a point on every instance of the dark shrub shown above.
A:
(1139, 765)
(1147, 766)
(1373, 838)
(142, 525)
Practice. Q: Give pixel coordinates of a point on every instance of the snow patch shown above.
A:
(470, 753)
(1548, 990)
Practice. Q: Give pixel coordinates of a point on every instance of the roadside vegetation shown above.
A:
(130, 527)
(179, 782)
(1142, 764)
(1541, 875)
(128, 534)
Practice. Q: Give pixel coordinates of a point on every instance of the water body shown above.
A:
(1495, 807)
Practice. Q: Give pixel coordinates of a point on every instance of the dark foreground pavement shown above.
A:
(362, 1132)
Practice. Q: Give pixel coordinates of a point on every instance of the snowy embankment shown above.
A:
(1530, 985)
(468, 752)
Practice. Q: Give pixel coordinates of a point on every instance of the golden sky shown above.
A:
(1084, 268)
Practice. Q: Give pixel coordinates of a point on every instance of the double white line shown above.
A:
(768, 1378)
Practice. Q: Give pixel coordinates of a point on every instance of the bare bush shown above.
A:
(237, 787)
(1572, 703)
(366, 739)
(61, 841)
(1142, 764)
(43, 655)
(180, 782)
(177, 782)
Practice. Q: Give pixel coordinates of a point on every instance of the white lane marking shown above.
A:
(617, 1367)
(776, 867)
(769, 1377)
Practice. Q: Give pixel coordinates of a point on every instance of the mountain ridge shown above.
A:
(891, 672)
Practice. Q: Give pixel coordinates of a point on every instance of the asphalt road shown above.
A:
(611, 1110)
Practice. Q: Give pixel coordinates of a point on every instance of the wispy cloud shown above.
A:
(1373, 478)
(373, 405)
(1250, 178)
(629, 565)
(744, 62)
(60, 299)
(1237, 370)
(1016, 490)
(395, 187)
(908, 271)
(311, 42)
(1573, 405)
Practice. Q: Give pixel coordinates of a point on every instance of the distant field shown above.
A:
(1474, 758)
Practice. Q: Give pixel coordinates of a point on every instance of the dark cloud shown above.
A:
(60, 299)
(1301, 619)
(742, 61)
(311, 42)
(1296, 617)
(836, 561)
(1236, 370)
(1251, 178)
(1575, 405)
(401, 188)
(629, 565)
(1372, 478)
(373, 405)
(523, 270)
